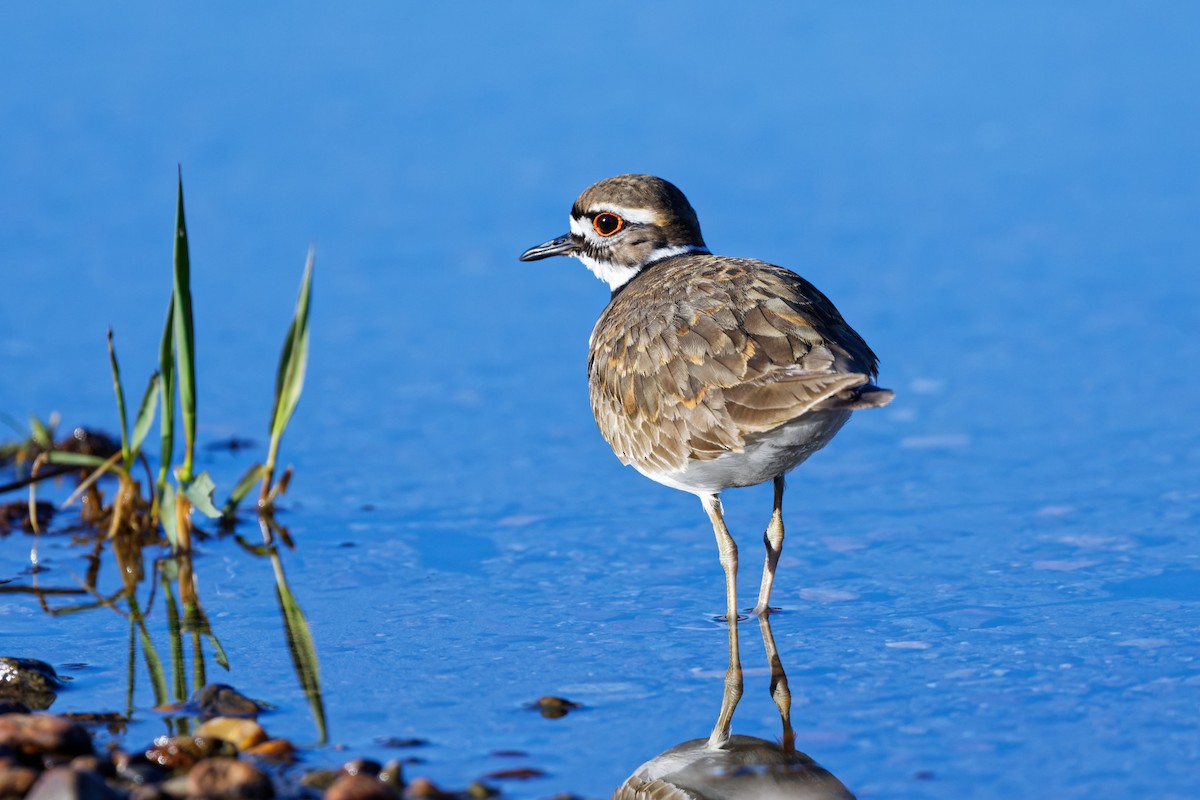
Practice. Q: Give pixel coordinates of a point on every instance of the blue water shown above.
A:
(989, 588)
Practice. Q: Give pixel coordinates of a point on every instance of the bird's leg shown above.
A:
(779, 684)
(733, 689)
(728, 551)
(773, 539)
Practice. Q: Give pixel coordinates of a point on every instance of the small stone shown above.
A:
(319, 778)
(554, 707)
(63, 783)
(226, 778)
(15, 780)
(167, 753)
(241, 733)
(29, 681)
(481, 791)
(424, 789)
(278, 751)
(392, 774)
(362, 766)
(41, 734)
(220, 700)
(359, 787)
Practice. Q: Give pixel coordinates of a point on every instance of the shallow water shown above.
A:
(989, 588)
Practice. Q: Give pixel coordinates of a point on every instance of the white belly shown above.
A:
(764, 457)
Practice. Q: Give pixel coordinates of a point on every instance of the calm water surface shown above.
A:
(989, 588)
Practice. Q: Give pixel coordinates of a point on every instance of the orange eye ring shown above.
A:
(607, 223)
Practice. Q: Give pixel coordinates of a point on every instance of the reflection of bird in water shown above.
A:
(707, 373)
(725, 767)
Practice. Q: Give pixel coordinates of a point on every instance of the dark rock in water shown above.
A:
(28, 681)
(554, 707)
(43, 735)
(220, 700)
(360, 787)
(228, 779)
(13, 707)
(63, 783)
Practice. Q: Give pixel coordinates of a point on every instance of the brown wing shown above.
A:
(699, 352)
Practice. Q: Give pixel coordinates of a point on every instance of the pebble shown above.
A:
(241, 733)
(64, 783)
(225, 778)
(360, 786)
(41, 734)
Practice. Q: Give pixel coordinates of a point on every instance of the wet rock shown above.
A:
(554, 707)
(15, 780)
(228, 779)
(63, 783)
(277, 751)
(481, 791)
(516, 774)
(392, 774)
(220, 700)
(13, 707)
(173, 753)
(29, 681)
(360, 787)
(362, 766)
(319, 778)
(142, 773)
(41, 734)
(424, 789)
(241, 733)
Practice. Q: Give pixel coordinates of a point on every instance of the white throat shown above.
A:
(617, 275)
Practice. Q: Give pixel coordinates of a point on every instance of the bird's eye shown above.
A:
(607, 224)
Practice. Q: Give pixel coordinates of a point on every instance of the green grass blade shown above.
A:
(166, 516)
(301, 647)
(241, 489)
(293, 362)
(42, 436)
(144, 418)
(126, 453)
(166, 372)
(175, 635)
(185, 345)
(74, 459)
(154, 665)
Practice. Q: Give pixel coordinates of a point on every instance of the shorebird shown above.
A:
(708, 372)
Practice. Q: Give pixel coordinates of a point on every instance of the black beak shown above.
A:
(562, 246)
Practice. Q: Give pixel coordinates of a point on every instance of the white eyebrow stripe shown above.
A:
(639, 215)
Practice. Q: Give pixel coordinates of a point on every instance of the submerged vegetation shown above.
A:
(128, 510)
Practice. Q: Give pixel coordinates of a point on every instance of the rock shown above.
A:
(278, 751)
(41, 734)
(226, 778)
(63, 783)
(16, 780)
(362, 766)
(29, 681)
(424, 789)
(241, 733)
(554, 707)
(360, 787)
(220, 700)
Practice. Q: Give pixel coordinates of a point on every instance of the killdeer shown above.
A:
(708, 372)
